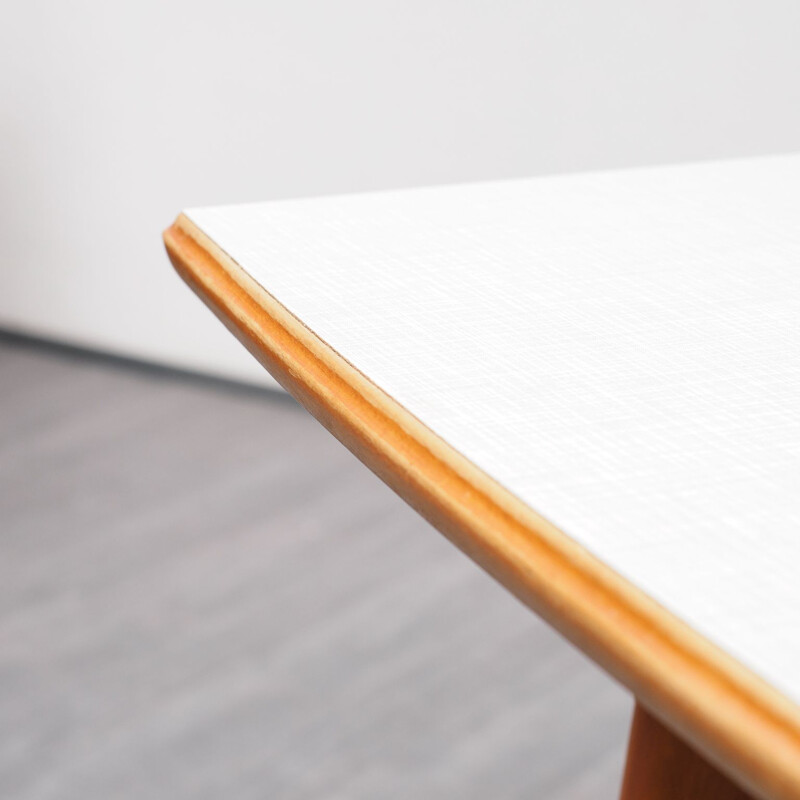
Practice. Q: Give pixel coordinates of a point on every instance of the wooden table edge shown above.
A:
(743, 726)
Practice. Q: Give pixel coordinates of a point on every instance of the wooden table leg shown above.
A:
(662, 767)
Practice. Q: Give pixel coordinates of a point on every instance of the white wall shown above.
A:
(114, 116)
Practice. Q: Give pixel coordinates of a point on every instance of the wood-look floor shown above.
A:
(203, 594)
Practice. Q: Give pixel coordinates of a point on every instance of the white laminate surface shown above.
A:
(620, 350)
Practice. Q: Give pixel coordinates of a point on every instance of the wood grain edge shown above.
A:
(738, 722)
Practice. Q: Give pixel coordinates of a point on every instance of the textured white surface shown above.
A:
(620, 350)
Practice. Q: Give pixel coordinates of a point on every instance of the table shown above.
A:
(591, 385)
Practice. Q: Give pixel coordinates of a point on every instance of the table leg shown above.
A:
(661, 766)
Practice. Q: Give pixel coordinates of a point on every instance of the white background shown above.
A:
(115, 116)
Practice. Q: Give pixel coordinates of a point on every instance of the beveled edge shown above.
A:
(740, 723)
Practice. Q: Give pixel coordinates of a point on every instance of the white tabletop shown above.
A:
(620, 350)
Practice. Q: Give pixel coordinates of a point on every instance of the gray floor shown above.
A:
(202, 594)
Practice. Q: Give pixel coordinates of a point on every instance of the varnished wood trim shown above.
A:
(738, 722)
(661, 766)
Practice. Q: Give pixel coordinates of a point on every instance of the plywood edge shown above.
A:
(741, 724)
